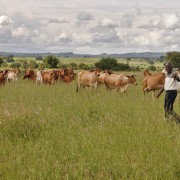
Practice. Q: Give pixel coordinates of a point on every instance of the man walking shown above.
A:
(170, 86)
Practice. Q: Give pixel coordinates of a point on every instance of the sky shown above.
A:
(89, 26)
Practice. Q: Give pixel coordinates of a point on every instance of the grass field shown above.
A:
(56, 133)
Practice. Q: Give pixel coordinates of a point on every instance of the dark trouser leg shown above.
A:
(169, 101)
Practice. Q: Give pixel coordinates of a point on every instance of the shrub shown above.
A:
(107, 63)
(51, 61)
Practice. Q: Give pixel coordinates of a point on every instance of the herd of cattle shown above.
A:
(92, 78)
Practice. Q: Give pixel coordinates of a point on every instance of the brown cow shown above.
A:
(48, 77)
(88, 79)
(153, 82)
(3, 77)
(119, 81)
(69, 75)
(103, 75)
(29, 74)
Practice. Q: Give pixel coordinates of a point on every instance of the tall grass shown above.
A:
(52, 132)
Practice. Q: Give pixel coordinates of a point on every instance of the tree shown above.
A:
(1, 61)
(50, 61)
(39, 58)
(174, 58)
(107, 63)
(15, 65)
(24, 64)
(128, 60)
(124, 67)
(33, 64)
(10, 59)
(152, 68)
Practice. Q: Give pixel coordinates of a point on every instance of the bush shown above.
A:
(24, 64)
(85, 66)
(15, 65)
(9, 59)
(107, 63)
(1, 61)
(39, 58)
(33, 64)
(123, 67)
(152, 68)
(51, 61)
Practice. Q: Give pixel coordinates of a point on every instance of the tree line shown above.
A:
(104, 63)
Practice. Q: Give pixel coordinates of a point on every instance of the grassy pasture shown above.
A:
(56, 133)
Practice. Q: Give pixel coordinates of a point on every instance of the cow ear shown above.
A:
(128, 76)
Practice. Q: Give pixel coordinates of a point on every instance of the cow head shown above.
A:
(146, 73)
(97, 72)
(132, 79)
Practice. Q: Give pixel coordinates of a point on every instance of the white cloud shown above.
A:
(169, 21)
(5, 21)
(89, 26)
(20, 32)
(106, 22)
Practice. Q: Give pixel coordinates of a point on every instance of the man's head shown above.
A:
(169, 67)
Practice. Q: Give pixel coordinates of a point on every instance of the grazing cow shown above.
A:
(3, 77)
(68, 78)
(48, 77)
(88, 79)
(103, 75)
(119, 81)
(12, 74)
(153, 82)
(29, 74)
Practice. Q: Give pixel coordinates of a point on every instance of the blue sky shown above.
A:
(83, 26)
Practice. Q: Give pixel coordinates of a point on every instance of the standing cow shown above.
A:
(103, 75)
(119, 81)
(29, 74)
(48, 77)
(88, 79)
(3, 77)
(12, 74)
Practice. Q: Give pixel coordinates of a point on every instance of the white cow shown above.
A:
(39, 76)
(12, 75)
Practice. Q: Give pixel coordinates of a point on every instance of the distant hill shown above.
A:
(142, 55)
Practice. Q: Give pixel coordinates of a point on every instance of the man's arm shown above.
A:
(177, 78)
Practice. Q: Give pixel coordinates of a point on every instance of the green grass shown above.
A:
(52, 132)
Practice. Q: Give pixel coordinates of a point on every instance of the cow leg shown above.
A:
(78, 86)
(153, 95)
